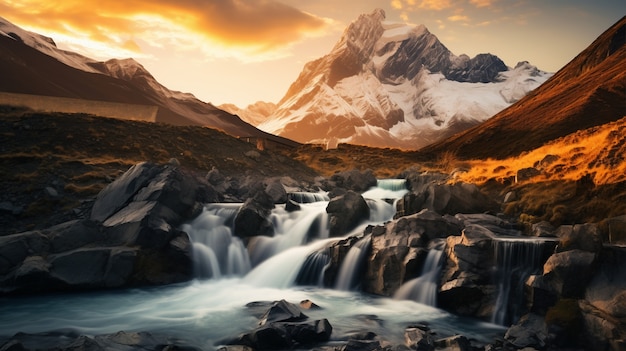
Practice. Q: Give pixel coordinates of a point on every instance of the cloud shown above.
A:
(437, 5)
(250, 27)
(458, 18)
(482, 3)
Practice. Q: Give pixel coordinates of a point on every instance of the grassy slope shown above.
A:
(77, 155)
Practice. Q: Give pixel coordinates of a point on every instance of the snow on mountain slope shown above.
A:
(254, 114)
(393, 85)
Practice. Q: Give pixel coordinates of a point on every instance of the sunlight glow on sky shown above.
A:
(242, 51)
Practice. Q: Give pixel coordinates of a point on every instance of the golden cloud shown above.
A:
(482, 3)
(458, 18)
(252, 25)
(437, 5)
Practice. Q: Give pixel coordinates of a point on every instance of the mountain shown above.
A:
(32, 64)
(394, 85)
(254, 114)
(589, 91)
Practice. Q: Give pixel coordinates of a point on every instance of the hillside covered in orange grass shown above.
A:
(597, 153)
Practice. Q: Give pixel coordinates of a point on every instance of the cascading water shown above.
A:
(350, 267)
(291, 229)
(423, 289)
(203, 312)
(515, 259)
(381, 201)
(216, 251)
(387, 189)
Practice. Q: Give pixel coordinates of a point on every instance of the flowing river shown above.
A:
(212, 307)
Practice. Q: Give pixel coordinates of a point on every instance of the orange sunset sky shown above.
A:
(242, 51)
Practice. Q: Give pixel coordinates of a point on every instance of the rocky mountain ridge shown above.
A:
(32, 64)
(393, 85)
(589, 91)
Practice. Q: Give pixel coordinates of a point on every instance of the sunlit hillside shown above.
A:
(597, 152)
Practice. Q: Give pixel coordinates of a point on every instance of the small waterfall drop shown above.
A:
(351, 265)
(313, 268)
(387, 189)
(302, 197)
(216, 251)
(423, 289)
(291, 229)
(515, 260)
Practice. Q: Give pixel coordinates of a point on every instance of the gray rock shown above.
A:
(543, 229)
(607, 289)
(454, 343)
(117, 194)
(419, 338)
(355, 180)
(276, 191)
(584, 237)
(446, 198)
(6, 206)
(74, 234)
(51, 192)
(510, 197)
(253, 154)
(567, 273)
(362, 345)
(282, 311)
(530, 331)
(346, 212)
(15, 248)
(80, 268)
(252, 218)
(33, 274)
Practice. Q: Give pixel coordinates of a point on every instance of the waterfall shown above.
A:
(291, 229)
(312, 271)
(515, 260)
(423, 289)
(387, 189)
(306, 198)
(216, 251)
(351, 266)
(282, 270)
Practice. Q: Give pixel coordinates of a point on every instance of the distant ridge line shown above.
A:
(41, 103)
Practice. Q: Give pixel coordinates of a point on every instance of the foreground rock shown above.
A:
(73, 341)
(432, 191)
(130, 239)
(283, 326)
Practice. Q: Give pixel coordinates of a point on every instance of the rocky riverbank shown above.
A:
(573, 296)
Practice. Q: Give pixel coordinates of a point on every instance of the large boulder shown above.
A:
(586, 237)
(283, 326)
(355, 180)
(430, 192)
(604, 307)
(253, 217)
(567, 273)
(530, 331)
(399, 249)
(131, 238)
(467, 278)
(346, 212)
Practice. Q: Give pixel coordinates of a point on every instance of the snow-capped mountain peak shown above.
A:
(395, 85)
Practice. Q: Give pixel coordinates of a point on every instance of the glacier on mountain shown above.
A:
(387, 84)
